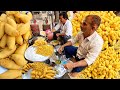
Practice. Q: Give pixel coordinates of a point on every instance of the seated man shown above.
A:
(90, 45)
(63, 30)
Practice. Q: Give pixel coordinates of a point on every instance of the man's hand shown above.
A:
(53, 30)
(58, 34)
(69, 65)
(61, 49)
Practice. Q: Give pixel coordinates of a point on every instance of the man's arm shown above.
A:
(56, 27)
(72, 40)
(60, 34)
(91, 56)
(67, 31)
(75, 39)
(80, 63)
(69, 43)
(71, 65)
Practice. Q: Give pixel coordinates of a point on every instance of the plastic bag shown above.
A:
(60, 71)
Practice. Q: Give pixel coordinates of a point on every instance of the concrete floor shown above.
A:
(65, 76)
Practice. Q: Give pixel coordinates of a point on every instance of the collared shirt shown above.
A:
(89, 48)
(70, 15)
(66, 28)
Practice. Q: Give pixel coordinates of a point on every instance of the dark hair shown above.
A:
(95, 19)
(64, 14)
(74, 11)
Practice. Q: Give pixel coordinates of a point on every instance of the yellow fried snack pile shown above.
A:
(40, 70)
(106, 66)
(11, 74)
(42, 47)
(45, 50)
(40, 41)
(9, 64)
(117, 45)
(27, 67)
(15, 32)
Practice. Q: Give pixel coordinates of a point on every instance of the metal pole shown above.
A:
(56, 16)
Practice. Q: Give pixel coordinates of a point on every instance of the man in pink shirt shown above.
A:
(90, 45)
